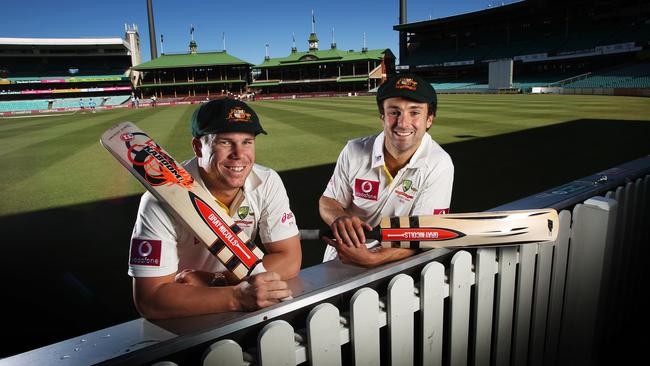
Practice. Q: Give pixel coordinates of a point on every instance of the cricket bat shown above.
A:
(171, 184)
(461, 230)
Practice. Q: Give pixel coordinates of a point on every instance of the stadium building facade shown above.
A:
(550, 43)
(39, 74)
(323, 71)
(193, 74)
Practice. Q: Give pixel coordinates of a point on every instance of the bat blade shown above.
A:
(469, 229)
(171, 184)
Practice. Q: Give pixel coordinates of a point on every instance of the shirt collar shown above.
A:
(378, 151)
(419, 159)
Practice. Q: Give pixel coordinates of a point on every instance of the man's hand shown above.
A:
(349, 230)
(261, 290)
(360, 256)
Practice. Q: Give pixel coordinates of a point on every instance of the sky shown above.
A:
(248, 25)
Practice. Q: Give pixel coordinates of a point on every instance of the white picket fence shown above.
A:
(567, 302)
(535, 304)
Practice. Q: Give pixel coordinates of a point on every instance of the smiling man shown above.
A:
(398, 172)
(186, 279)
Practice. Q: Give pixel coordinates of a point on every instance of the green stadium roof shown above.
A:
(270, 83)
(318, 56)
(176, 61)
(212, 82)
(352, 79)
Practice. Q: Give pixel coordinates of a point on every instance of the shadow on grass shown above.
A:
(66, 267)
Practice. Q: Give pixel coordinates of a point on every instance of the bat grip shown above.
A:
(258, 268)
(374, 234)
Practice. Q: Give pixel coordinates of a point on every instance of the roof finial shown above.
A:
(313, 40)
(364, 49)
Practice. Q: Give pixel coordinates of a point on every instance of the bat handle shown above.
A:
(258, 268)
(374, 234)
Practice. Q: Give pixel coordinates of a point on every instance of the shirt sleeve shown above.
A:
(339, 187)
(277, 221)
(153, 251)
(435, 197)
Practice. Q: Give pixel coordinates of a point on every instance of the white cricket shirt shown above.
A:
(161, 245)
(365, 189)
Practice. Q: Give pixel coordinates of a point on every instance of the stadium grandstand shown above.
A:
(569, 46)
(192, 76)
(57, 74)
(322, 71)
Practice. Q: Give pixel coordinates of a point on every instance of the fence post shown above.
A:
(224, 352)
(276, 344)
(592, 233)
(364, 327)
(505, 304)
(432, 302)
(460, 283)
(324, 335)
(486, 268)
(400, 320)
(524, 302)
(556, 296)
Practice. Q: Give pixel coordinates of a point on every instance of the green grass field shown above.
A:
(56, 160)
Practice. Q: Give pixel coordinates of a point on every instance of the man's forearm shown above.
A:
(330, 209)
(284, 257)
(285, 265)
(172, 300)
(386, 255)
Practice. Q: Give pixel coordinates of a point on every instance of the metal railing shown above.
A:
(548, 303)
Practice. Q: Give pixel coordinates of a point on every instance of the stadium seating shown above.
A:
(630, 76)
(22, 105)
(42, 104)
(116, 100)
(451, 86)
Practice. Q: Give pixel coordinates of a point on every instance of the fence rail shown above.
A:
(549, 303)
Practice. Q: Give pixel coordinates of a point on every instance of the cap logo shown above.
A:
(238, 114)
(242, 212)
(406, 83)
(406, 185)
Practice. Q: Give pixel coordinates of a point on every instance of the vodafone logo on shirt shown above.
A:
(145, 252)
(367, 189)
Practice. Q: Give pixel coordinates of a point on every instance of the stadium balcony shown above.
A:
(587, 40)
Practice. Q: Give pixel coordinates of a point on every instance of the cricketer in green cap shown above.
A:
(189, 280)
(399, 171)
